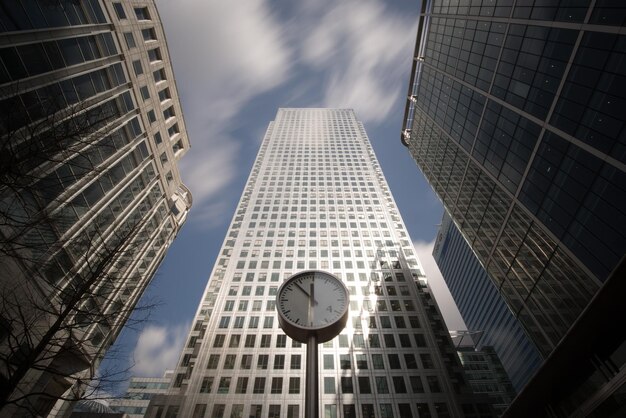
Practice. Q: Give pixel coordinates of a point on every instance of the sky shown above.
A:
(236, 63)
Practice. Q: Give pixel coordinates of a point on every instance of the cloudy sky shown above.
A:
(236, 63)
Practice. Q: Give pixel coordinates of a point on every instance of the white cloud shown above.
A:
(158, 349)
(224, 54)
(367, 53)
(444, 299)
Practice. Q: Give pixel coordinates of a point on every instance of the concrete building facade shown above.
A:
(92, 132)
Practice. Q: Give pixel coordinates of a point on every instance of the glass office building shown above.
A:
(481, 306)
(515, 116)
(317, 199)
(92, 132)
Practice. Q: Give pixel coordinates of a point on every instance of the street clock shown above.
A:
(312, 303)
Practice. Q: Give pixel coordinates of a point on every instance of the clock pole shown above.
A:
(311, 401)
(327, 314)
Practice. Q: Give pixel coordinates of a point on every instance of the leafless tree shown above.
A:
(63, 295)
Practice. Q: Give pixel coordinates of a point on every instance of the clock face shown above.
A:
(312, 300)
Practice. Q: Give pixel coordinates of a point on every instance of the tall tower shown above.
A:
(91, 132)
(317, 199)
(515, 115)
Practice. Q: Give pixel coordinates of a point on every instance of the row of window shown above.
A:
(372, 338)
(367, 410)
(345, 361)
(141, 13)
(258, 385)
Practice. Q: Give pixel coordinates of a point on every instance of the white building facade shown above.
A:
(85, 224)
(317, 199)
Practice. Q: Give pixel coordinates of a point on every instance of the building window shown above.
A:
(218, 411)
(346, 384)
(219, 340)
(169, 113)
(368, 410)
(281, 341)
(296, 360)
(237, 410)
(361, 361)
(294, 385)
(259, 385)
(214, 360)
(274, 411)
(277, 385)
(159, 75)
(250, 341)
(154, 55)
(142, 13)
(246, 361)
(229, 361)
(164, 94)
(145, 93)
(262, 361)
(345, 362)
(433, 384)
(381, 385)
(279, 361)
(242, 385)
(364, 385)
(329, 362)
(416, 384)
(224, 321)
(427, 361)
(293, 411)
(394, 361)
(423, 410)
(206, 385)
(398, 384)
(148, 34)
(255, 411)
(329, 385)
(119, 10)
(137, 67)
(386, 411)
(130, 40)
(224, 385)
(330, 411)
(411, 362)
(239, 321)
(266, 340)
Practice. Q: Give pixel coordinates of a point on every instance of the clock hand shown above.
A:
(306, 293)
(311, 302)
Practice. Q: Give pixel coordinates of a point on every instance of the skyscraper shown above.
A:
(92, 131)
(317, 199)
(481, 306)
(487, 376)
(515, 116)
(140, 390)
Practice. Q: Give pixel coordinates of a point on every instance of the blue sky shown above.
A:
(236, 63)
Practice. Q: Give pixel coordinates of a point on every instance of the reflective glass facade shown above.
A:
(93, 76)
(317, 199)
(515, 117)
(483, 309)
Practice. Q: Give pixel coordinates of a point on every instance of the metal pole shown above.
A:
(311, 400)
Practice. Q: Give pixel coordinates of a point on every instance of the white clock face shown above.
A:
(313, 300)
